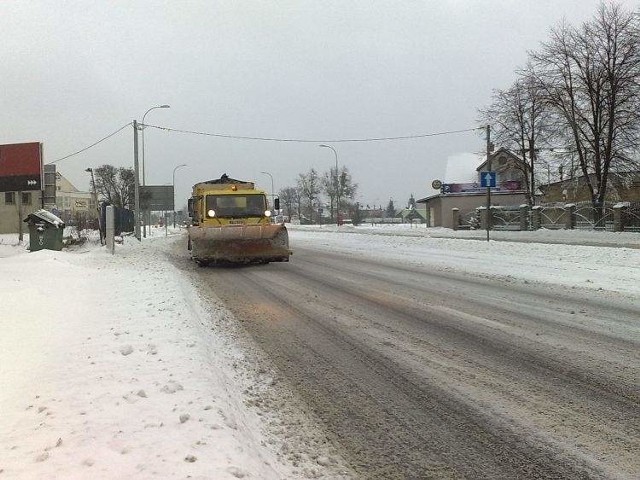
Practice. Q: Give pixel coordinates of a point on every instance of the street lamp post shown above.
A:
(142, 127)
(272, 191)
(173, 183)
(337, 184)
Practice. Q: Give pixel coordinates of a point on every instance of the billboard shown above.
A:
(156, 198)
(20, 167)
(50, 181)
(507, 186)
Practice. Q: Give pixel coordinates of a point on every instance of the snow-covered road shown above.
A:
(425, 359)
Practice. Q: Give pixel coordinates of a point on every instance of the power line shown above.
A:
(92, 145)
(268, 139)
(300, 140)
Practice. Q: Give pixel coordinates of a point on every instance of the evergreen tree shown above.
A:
(391, 209)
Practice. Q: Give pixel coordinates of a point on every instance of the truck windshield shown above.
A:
(237, 205)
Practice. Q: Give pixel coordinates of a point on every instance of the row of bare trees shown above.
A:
(314, 190)
(575, 107)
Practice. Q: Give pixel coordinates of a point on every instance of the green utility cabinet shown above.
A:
(45, 231)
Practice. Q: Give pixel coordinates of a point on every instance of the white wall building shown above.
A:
(14, 208)
(69, 203)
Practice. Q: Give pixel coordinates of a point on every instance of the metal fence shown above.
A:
(631, 217)
(506, 218)
(124, 219)
(555, 216)
(588, 217)
(469, 220)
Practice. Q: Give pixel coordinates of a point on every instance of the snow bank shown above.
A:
(565, 258)
(109, 368)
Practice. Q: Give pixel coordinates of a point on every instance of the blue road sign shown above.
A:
(488, 179)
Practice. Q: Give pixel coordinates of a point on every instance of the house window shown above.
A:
(9, 198)
(26, 198)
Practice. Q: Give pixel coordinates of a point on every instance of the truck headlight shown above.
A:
(267, 213)
(211, 213)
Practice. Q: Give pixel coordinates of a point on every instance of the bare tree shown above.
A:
(309, 187)
(115, 185)
(517, 116)
(330, 188)
(338, 185)
(290, 200)
(589, 77)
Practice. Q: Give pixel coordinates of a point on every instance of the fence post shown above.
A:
(570, 212)
(483, 217)
(524, 217)
(456, 217)
(618, 217)
(536, 217)
(490, 217)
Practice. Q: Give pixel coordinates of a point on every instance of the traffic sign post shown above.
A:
(488, 179)
(484, 177)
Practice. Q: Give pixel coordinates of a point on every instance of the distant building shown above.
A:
(70, 201)
(413, 215)
(466, 197)
(620, 188)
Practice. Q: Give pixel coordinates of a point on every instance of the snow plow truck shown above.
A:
(231, 223)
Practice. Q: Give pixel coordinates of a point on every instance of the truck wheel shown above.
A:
(189, 244)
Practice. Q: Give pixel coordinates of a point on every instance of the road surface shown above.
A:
(432, 374)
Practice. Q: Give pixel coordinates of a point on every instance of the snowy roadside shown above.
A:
(110, 368)
(558, 259)
(543, 236)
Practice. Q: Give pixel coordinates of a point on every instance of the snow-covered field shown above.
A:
(111, 366)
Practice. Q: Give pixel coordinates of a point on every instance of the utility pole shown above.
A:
(273, 193)
(532, 156)
(173, 189)
(136, 199)
(95, 201)
(488, 185)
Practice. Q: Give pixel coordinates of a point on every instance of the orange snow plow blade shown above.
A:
(239, 244)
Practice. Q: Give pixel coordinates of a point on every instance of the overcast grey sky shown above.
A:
(76, 71)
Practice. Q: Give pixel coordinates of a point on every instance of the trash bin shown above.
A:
(45, 231)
